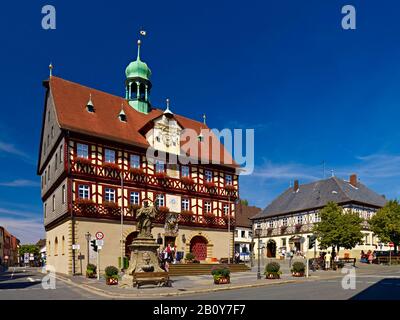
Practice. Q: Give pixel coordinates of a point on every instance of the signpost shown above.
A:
(391, 245)
(99, 244)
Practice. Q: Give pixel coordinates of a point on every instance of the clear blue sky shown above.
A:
(311, 90)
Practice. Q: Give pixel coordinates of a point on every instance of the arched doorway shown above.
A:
(198, 246)
(128, 242)
(271, 249)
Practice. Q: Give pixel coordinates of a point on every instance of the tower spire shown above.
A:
(204, 118)
(138, 49)
(51, 69)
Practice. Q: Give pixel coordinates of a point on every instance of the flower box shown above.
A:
(209, 185)
(83, 161)
(269, 230)
(110, 205)
(136, 171)
(111, 281)
(163, 209)
(298, 226)
(84, 202)
(222, 280)
(187, 181)
(221, 274)
(160, 175)
(111, 166)
(230, 188)
(283, 229)
(187, 212)
(298, 274)
(133, 208)
(272, 276)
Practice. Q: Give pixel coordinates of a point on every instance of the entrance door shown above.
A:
(271, 249)
(198, 246)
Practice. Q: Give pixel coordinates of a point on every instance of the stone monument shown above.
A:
(143, 248)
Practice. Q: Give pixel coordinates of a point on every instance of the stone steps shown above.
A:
(201, 268)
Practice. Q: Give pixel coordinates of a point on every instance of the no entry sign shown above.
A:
(391, 244)
(99, 235)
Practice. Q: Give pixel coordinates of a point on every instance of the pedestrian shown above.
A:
(290, 258)
(328, 258)
(370, 258)
(237, 257)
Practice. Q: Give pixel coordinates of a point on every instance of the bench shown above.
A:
(157, 278)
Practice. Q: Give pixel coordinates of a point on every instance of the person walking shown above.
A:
(328, 258)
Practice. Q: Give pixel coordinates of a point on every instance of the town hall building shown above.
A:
(95, 173)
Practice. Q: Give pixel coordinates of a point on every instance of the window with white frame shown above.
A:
(300, 219)
(109, 156)
(185, 171)
(185, 204)
(226, 209)
(160, 166)
(83, 191)
(135, 161)
(160, 200)
(228, 179)
(317, 218)
(134, 197)
(208, 175)
(82, 150)
(109, 195)
(270, 224)
(207, 206)
(284, 221)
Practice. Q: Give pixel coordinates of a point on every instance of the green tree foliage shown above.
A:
(338, 228)
(29, 248)
(244, 202)
(386, 223)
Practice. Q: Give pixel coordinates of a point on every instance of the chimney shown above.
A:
(353, 180)
(296, 185)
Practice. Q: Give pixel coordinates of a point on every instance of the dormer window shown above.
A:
(89, 105)
(122, 117)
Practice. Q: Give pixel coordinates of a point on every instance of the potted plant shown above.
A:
(91, 271)
(298, 226)
(189, 257)
(269, 230)
(111, 275)
(283, 229)
(272, 271)
(161, 176)
(298, 269)
(221, 274)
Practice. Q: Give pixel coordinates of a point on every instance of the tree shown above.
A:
(338, 228)
(386, 223)
(28, 248)
(244, 202)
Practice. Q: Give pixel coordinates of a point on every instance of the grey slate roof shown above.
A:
(317, 194)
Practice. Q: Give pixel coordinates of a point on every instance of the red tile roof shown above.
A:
(244, 213)
(70, 101)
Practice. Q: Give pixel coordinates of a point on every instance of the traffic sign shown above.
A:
(99, 243)
(391, 244)
(99, 235)
(76, 247)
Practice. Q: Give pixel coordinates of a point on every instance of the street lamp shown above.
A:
(88, 237)
(258, 235)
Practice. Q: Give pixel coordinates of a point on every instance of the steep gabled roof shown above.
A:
(71, 98)
(317, 194)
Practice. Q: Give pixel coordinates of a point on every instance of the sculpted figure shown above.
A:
(144, 217)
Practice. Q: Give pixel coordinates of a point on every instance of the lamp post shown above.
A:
(88, 236)
(258, 235)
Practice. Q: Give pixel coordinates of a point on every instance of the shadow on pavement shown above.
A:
(17, 285)
(386, 289)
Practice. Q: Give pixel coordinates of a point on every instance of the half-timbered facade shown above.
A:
(95, 166)
(287, 223)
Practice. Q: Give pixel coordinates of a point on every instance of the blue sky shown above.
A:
(311, 90)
